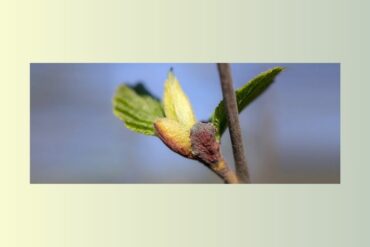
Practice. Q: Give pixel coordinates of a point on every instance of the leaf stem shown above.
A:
(233, 122)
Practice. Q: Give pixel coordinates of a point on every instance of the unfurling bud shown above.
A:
(174, 129)
(180, 132)
(174, 135)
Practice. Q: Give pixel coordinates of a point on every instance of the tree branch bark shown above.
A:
(233, 122)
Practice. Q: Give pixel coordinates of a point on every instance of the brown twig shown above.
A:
(233, 122)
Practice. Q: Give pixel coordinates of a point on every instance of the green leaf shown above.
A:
(244, 96)
(137, 108)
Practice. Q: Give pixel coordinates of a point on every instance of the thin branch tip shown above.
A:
(233, 121)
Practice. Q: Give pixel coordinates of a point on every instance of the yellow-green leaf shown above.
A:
(176, 104)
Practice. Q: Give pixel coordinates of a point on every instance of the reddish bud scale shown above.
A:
(204, 145)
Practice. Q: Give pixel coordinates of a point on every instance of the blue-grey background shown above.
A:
(291, 132)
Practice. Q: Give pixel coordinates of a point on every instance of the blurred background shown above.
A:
(291, 132)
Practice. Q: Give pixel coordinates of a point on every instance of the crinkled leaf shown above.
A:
(244, 96)
(137, 108)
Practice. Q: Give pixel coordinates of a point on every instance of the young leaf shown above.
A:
(244, 96)
(176, 104)
(174, 135)
(137, 108)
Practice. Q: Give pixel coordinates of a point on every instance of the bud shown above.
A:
(175, 135)
(174, 129)
(205, 146)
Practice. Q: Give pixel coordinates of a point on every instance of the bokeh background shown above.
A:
(291, 132)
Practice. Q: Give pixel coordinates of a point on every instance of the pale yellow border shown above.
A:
(184, 31)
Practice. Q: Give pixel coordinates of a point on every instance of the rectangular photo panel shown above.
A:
(168, 123)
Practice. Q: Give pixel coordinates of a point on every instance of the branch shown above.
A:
(233, 122)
